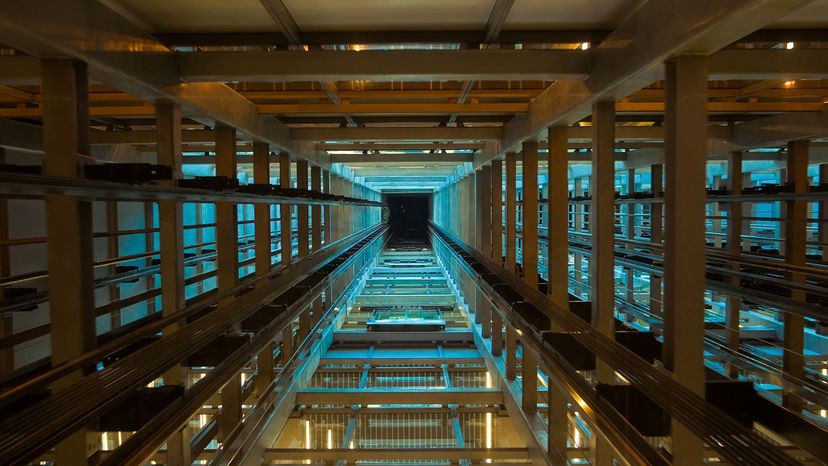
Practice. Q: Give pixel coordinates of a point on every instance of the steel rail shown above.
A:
(97, 354)
(34, 186)
(31, 431)
(147, 439)
(727, 436)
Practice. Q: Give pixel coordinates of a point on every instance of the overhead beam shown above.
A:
(437, 146)
(777, 130)
(632, 57)
(394, 65)
(397, 158)
(123, 55)
(396, 134)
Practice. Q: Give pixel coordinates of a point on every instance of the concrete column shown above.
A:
(228, 265)
(316, 210)
(557, 214)
(823, 212)
(578, 259)
(6, 321)
(68, 233)
(656, 233)
(302, 210)
(734, 247)
(226, 214)
(261, 175)
(286, 243)
(630, 235)
(497, 247)
(170, 223)
(484, 219)
(511, 211)
(684, 254)
(326, 210)
(793, 360)
(530, 213)
(716, 211)
(602, 225)
(530, 261)
(511, 352)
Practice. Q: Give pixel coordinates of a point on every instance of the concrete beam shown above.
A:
(395, 134)
(631, 57)
(395, 65)
(397, 158)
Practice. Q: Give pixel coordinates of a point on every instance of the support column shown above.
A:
(530, 213)
(68, 233)
(684, 254)
(511, 211)
(578, 223)
(316, 210)
(558, 263)
(602, 226)
(301, 209)
(530, 262)
(793, 360)
(286, 243)
(557, 214)
(263, 222)
(170, 223)
(326, 210)
(497, 246)
(484, 219)
(656, 234)
(227, 233)
(823, 212)
(734, 248)
(630, 235)
(6, 321)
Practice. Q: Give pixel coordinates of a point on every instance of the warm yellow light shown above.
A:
(488, 430)
(576, 437)
(584, 45)
(789, 45)
(488, 380)
(351, 445)
(307, 435)
(789, 83)
(330, 440)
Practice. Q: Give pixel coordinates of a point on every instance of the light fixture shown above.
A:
(330, 440)
(789, 45)
(584, 45)
(789, 83)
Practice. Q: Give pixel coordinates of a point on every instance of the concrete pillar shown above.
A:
(630, 235)
(656, 233)
(734, 247)
(578, 223)
(326, 210)
(68, 233)
(558, 265)
(602, 225)
(228, 265)
(511, 352)
(511, 211)
(6, 321)
(793, 360)
(226, 214)
(170, 223)
(286, 243)
(302, 210)
(823, 212)
(497, 247)
(684, 254)
(316, 210)
(530, 213)
(261, 175)
(557, 214)
(262, 221)
(530, 261)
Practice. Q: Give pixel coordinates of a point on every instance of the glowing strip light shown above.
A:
(307, 435)
(330, 440)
